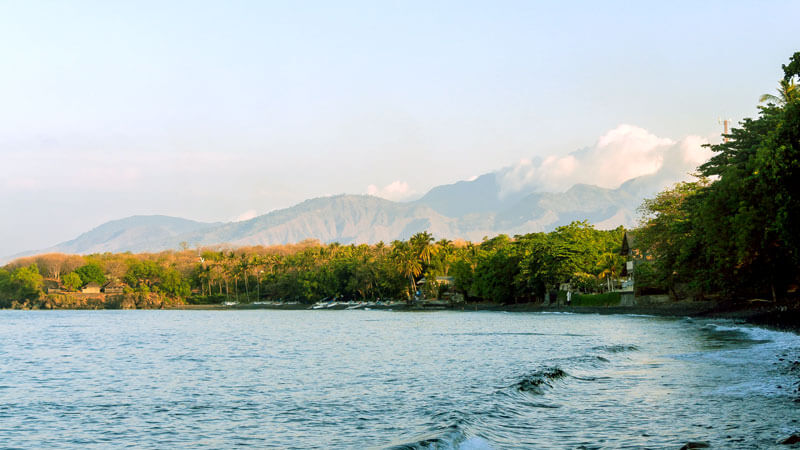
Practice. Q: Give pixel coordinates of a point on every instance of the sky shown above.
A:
(219, 111)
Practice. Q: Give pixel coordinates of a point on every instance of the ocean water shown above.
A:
(381, 379)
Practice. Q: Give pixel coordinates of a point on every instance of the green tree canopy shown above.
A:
(72, 281)
(91, 272)
(738, 234)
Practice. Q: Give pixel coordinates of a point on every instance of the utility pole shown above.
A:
(724, 123)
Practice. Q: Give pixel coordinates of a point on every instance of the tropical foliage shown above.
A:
(734, 231)
(502, 269)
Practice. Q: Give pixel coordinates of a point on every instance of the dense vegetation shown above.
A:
(735, 231)
(502, 269)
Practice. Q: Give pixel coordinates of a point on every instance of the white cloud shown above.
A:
(621, 154)
(396, 190)
(247, 215)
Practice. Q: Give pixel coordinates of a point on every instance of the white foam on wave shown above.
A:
(786, 338)
(757, 367)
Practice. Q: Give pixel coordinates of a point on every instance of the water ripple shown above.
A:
(296, 379)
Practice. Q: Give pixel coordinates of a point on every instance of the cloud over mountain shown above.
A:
(623, 153)
(396, 190)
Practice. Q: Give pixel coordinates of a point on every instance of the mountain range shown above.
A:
(466, 209)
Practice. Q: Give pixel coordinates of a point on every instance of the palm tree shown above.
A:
(787, 92)
(243, 269)
(445, 244)
(422, 245)
(445, 247)
(471, 254)
(410, 267)
(407, 262)
(333, 249)
(610, 265)
(205, 278)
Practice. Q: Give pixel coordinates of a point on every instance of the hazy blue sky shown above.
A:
(214, 110)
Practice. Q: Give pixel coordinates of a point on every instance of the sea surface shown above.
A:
(382, 379)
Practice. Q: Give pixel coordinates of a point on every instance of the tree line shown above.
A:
(503, 269)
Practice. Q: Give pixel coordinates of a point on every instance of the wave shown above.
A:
(451, 438)
(537, 382)
(580, 364)
(618, 348)
(753, 333)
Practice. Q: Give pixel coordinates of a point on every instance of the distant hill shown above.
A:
(135, 234)
(467, 209)
(342, 218)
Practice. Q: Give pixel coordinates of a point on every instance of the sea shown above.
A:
(384, 379)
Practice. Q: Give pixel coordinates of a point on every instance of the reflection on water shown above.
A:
(354, 379)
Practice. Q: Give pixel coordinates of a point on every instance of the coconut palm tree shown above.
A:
(610, 266)
(408, 263)
(422, 245)
(445, 247)
(243, 268)
(787, 92)
(380, 247)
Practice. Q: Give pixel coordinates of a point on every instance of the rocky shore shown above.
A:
(784, 316)
(75, 300)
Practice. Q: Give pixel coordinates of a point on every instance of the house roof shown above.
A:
(439, 279)
(627, 243)
(51, 284)
(91, 284)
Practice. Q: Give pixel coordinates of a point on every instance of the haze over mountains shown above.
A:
(627, 164)
(467, 209)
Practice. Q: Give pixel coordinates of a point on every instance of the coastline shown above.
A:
(777, 316)
(780, 316)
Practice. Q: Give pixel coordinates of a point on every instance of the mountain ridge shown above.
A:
(468, 209)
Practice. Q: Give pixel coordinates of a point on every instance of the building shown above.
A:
(439, 280)
(53, 287)
(91, 288)
(631, 254)
(113, 287)
(437, 287)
